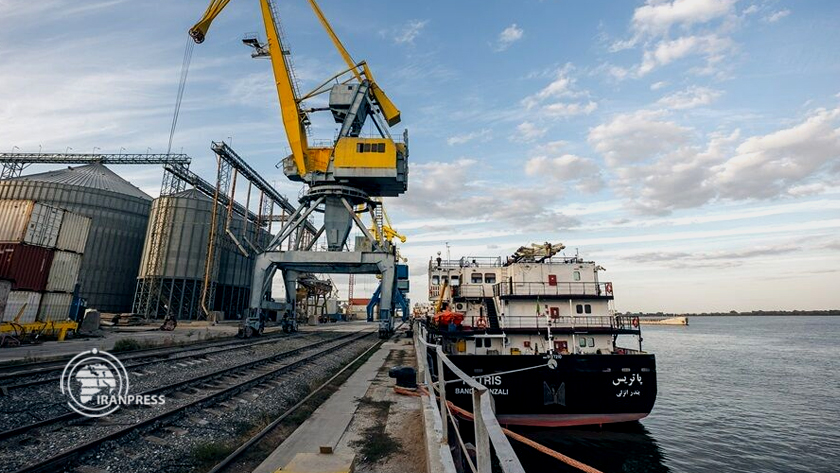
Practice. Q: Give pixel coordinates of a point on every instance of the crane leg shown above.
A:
(289, 321)
(386, 297)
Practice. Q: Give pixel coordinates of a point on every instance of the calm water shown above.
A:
(741, 394)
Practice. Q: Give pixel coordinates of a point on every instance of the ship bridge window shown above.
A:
(591, 342)
(576, 275)
(454, 280)
(489, 278)
(579, 308)
(435, 280)
(587, 308)
(475, 278)
(582, 341)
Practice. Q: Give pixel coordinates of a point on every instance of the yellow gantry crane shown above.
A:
(377, 166)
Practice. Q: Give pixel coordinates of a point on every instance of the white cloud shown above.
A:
(527, 131)
(773, 164)
(711, 46)
(408, 33)
(776, 16)
(459, 139)
(658, 85)
(437, 185)
(657, 17)
(751, 9)
(568, 168)
(508, 36)
(562, 86)
(637, 136)
(657, 169)
(703, 26)
(689, 98)
(560, 109)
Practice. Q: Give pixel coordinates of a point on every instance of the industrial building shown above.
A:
(181, 272)
(119, 214)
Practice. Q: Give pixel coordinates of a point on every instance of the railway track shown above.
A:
(14, 371)
(192, 394)
(171, 356)
(242, 451)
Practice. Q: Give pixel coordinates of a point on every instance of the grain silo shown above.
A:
(180, 275)
(119, 212)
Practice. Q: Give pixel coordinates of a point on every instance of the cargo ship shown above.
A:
(540, 331)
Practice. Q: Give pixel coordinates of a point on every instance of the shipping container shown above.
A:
(27, 221)
(55, 306)
(28, 267)
(5, 289)
(64, 271)
(16, 301)
(74, 232)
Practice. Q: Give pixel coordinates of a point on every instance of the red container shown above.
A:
(27, 266)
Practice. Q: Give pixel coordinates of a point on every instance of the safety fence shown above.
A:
(487, 429)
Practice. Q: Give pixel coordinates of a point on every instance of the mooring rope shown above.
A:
(535, 445)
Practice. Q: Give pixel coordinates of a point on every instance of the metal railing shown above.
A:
(620, 322)
(508, 289)
(472, 290)
(487, 429)
(466, 262)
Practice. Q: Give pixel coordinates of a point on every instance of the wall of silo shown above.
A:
(181, 272)
(108, 271)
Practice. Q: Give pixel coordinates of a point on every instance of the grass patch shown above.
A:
(212, 453)
(376, 445)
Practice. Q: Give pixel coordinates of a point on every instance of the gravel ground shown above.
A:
(23, 449)
(31, 404)
(195, 442)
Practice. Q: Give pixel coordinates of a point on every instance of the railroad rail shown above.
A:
(161, 358)
(11, 371)
(270, 367)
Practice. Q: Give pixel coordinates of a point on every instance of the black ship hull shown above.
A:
(559, 391)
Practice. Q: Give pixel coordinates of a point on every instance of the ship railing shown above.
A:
(467, 262)
(488, 432)
(472, 291)
(537, 289)
(541, 321)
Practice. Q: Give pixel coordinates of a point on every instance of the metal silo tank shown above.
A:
(119, 215)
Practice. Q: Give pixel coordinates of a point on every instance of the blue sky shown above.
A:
(690, 147)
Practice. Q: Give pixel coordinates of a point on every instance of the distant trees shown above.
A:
(735, 312)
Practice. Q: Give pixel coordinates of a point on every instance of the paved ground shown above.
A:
(340, 423)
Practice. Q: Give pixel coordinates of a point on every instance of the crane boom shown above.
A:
(294, 119)
(374, 165)
(389, 110)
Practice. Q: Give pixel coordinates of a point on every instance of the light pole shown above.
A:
(67, 150)
(149, 150)
(121, 150)
(15, 148)
(96, 148)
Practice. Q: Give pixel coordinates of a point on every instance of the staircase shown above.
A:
(492, 315)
